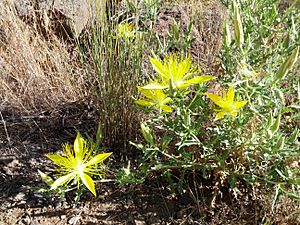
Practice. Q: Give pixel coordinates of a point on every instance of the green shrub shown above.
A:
(254, 136)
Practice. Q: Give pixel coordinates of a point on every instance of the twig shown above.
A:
(5, 129)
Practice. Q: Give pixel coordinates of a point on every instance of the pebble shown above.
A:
(74, 220)
(139, 222)
(63, 217)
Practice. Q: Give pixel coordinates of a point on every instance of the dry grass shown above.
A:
(35, 73)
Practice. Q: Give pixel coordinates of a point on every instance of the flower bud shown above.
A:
(286, 66)
(238, 26)
(146, 131)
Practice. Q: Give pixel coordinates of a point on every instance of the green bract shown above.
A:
(175, 74)
(156, 98)
(77, 164)
(226, 103)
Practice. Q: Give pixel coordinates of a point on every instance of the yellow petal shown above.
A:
(79, 147)
(200, 79)
(154, 86)
(230, 94)
(161, 69)
(216, 99)
(143, 102)
(98, 158)
(88, 182)
(62, 180)
(59, 160)
(146, 92)
(47, 179)
(240, 104)
(166, 100)
(234, 113)
(220, 115)
(166, 108)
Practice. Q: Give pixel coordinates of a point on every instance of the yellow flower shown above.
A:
(226, 103)
(156, 98)
(77, 164)
(174, 73)
(126, 31)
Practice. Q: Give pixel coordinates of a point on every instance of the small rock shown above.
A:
(74, 220)
(63, 217)
(34, 222)
(21, 196)
(139, 222)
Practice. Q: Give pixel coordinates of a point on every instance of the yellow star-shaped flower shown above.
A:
(226, 103)
(77, 164)
(156, 98)
(174, 73)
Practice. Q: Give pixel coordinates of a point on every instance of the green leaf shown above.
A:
(98, 158)
(88, 182)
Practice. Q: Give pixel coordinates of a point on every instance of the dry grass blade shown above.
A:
(35, 73)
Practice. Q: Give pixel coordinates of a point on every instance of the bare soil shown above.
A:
(151, 203)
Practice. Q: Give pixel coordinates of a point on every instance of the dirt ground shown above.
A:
(25, 138)
(151, 203)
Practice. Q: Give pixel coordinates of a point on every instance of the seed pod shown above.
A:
(227, 34)
(286, 66)
(270, 120)
(294, 135)
(280, 143)
(279, 94)
(274, 128)
(146, 131)
(238, 26)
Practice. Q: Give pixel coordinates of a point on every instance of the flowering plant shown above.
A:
(78, 163)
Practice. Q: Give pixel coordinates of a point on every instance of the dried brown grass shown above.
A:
(35, 73)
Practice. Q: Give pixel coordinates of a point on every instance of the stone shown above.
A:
(66, 18)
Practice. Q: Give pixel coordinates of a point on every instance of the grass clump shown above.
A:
(36, 74)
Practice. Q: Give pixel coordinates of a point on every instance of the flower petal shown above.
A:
(234, 114)
(230, 94)
(161, 69)
(62, 180)
(146, 92)
(98, 158)
(166, 108)
(240, 104)
(216, 99)
(154, 86)
(59, 160)
(200, 79)
(88, 182)
(79, 147)
(47, 179)
(220, 115)
(143, 102)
